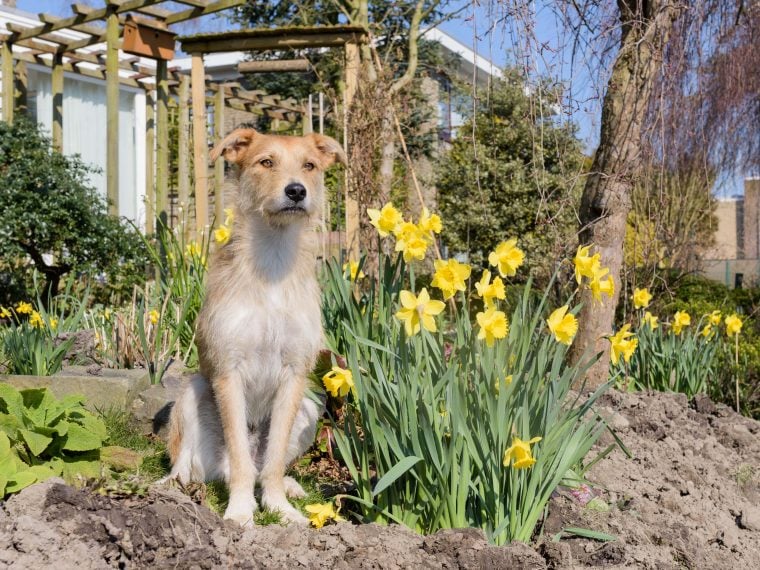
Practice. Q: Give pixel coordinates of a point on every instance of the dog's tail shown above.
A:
(175, 433)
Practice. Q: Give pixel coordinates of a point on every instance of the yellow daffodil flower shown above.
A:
(507, 382)
(230, 217)
(563, 325)
(651, 320)
(707, 330)
(641, 298)
(385, 220)
(338, 381)
(222, 234)
(680, 320)
(733, 325)
(53, 323)
(411, 241)
(450, 276)
(193, 249)
(5, 313)
(418, 311)
(507, 257)
(519, 454)
(601, 286)
(430, 223)
(107, 314)
(23, 308)
(715, 318)
(585, 265)
(351, 268)
(36, 320)
(493, 325)
(153, 316)
(320, 513)
(623, 343)
(490, 291)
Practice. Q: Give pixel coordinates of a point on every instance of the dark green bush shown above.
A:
(55, 221)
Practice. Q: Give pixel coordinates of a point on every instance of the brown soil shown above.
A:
(687, 499)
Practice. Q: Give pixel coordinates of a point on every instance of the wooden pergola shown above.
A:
(50, 45)
(348, 38)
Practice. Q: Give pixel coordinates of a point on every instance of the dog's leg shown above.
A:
(230, 398)
(286, 405)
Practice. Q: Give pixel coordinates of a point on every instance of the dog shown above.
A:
(245, 416)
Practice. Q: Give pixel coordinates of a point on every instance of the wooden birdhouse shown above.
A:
(148, 38)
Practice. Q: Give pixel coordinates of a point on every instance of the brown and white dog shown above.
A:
(245, 416)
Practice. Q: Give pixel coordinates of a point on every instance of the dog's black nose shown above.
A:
(295, 192)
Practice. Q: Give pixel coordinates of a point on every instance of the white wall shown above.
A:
(84, 131)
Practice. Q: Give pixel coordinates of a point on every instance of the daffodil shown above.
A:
(680, 320)
(222, 234)
(489, 291)
(418, 311)
(707, 330)
(385, 220)
(53, 323)
(338, 381)
(153, 316)
(193, 249)
(507, 382)
(5, 313)
(351, 268)
(641, 298)
(430, 223)
(507, 257)
(230, 217)
(715, 318)
(23, 308)
(450, 276)
(585, 265)
(563, 325)
(107, 314)
(623, 343)
(35, 320)
(651, 320)
(520, 454)
(320, 513)
(493, 325)
(601, 286)
(411, 241)
(733, 325)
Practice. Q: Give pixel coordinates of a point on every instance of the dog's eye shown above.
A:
(309, 166)
(266, 163)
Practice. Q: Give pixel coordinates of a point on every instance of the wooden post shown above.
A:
(200, 144)
(219, 165)
(6, 52)
(162, 143)
(352, 206)
(112, 111)
(57, 90)
(21, 87)
(150, 164)
(183, 146)
(307, 119)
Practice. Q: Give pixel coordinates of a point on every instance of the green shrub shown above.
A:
(42, 437)
(50, 208)
(431, 415)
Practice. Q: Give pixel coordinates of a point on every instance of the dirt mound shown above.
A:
(688, 498)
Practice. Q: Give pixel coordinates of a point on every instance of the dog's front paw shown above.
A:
(241, 511)
(293, 488)
(288, 513)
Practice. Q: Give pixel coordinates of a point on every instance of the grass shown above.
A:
(124, 431)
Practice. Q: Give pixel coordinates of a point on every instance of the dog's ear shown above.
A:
(233, 146)
(330, 148)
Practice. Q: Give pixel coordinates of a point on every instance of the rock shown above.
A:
(750, 519)
(120, 458)
(153, 405)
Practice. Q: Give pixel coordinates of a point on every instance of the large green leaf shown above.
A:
(394, 473)
(20, 480)
(37, 442)
(11, 401)
(81, 439)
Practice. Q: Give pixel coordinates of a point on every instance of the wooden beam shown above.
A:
(57, 92)
(219, 165)
(200, 145)
(274, 66)
(162, 142)
(21, 87)
(6, 52)
(210, 8)
(112, 113)
(30, 57)
(283, 42)
(352, 205)
(183, 147)
(150, 164)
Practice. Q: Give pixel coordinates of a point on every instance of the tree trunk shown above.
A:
(606, 201)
